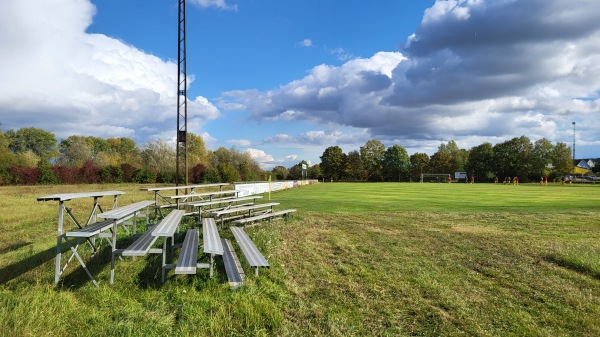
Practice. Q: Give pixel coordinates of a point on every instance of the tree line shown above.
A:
(517, 157)
(34, 156)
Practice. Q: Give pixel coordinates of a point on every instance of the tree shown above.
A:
(158, 156)
(295, 172)
(354, 168)
(459, 156)
(513, 157)
(396, 163)
(75, 151)
(480, 162)
(7, 158)
(561, 159)
(196, 152)
(541, 156)
(372, 157)
(228, 173)
(314, 172)
(127, 150)
(333, 162)
(280, 173)
(245, 166)
(27, 159)
(42, 143)
(441, 162)
(418, 165)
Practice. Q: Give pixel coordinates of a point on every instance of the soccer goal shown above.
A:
(434, 178)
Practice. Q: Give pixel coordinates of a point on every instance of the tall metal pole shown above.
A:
(181, 161)
(573, 141)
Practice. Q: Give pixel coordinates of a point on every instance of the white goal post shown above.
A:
(435, 177)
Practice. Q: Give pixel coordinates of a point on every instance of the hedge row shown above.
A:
(90, 173)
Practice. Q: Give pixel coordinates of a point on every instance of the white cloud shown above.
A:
(220, 4)
(473, 69)
(67, 81)
(264, 159)
(240, 142)
(306, 43)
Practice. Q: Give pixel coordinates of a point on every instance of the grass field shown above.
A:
(357, 259)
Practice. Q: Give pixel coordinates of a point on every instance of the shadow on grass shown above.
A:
(572, 265)
(75, 279)
(78, 277)
(150, 276)
(21, 267)
(14, 247)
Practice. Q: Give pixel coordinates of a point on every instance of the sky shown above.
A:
(284, 80)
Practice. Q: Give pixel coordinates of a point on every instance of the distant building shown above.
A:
(583, 167)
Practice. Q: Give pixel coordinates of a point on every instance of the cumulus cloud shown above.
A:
(62, 79)
(306, 43)
(265, 160)
(473, 70)
(268, 161)
(240, 142)
(220, 4)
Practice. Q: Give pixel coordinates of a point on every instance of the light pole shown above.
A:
(573, 141)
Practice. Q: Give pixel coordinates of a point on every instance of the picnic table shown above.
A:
(62, 209)
(166, 203)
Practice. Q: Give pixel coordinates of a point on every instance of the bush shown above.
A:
(128, 172)
(165, 177)
(47, 175)
(197, 173)
(66, 174)
(144, 176)
(90, 173)
(22, 175)
(111, 174)
(211, 176)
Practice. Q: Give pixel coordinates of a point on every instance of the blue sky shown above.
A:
(286, 79)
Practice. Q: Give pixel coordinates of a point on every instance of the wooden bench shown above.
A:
(269, 216)
(233, 267)
(253, 256)
(166, 228)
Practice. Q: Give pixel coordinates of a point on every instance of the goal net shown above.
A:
(434, 177)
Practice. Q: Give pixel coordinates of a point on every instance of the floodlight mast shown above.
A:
(181, 152)
(573, 141)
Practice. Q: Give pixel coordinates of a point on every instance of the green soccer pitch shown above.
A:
(356, 259)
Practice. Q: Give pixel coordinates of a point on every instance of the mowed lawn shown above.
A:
(357, 259)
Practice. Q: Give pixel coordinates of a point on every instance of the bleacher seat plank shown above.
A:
(252, 254)
(126, 210)
(91, 230)
(141, 246)
(265, 216)
(168, 225)
(210, 237)
(233, 267)
(187, 261)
